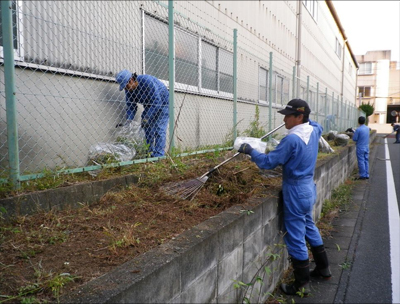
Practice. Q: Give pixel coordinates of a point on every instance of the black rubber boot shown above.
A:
(322, 269)
(301, 271)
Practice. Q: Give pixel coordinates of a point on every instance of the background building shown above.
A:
(379, 84)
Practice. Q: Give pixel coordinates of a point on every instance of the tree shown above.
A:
(368, 109)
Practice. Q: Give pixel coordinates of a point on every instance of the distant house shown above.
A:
(379, 84)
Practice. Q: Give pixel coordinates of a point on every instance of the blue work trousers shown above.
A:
(362, 159)
(298, 201)
(156, 134)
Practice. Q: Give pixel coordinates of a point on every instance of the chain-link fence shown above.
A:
(67, 110)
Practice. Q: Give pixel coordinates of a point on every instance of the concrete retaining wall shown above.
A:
(203, 263)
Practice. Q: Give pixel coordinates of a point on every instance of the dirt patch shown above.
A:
(47, 254)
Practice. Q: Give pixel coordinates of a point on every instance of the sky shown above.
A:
(371, 25)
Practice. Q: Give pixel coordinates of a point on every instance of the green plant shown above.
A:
(302, 293)
(273, 256)
(256, 129)
(58, 282)
(368, 109)
(345, 265)
(248, 212)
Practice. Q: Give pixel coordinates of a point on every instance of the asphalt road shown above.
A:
(370, 279)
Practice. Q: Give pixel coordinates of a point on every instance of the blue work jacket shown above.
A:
(152, 94)
(297, 159)
(361, 136)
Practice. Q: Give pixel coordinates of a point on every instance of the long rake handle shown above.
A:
(237, 153)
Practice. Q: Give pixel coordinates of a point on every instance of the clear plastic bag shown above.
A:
(341, 140)
(106, 153)
(324, 146)
(255, 143)
(131, 134)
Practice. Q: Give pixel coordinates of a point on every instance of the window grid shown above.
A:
(213, 73)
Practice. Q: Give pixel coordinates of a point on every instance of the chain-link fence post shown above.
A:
(9, 80)
(338, 114)
(326, 108)
(270, 92)
(171, 68)
(342, 113)
(234, 84)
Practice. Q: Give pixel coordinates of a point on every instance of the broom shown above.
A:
(190, 188)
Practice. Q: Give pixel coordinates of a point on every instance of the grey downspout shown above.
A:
(298, 46)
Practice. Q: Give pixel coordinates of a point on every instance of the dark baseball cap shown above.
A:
(296, 106)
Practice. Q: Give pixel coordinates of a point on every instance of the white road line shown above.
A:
(394, 228)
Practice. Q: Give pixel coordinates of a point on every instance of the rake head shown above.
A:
(186, 189)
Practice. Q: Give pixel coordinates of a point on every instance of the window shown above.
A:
(209, 63)
(282, 90)
(364, 91)
(186, 56)
(16, 24)
(263, 85)
(226, 71)
(338, 49)
(365, 68)
(156, 48)
(214, 73)
(312, 8)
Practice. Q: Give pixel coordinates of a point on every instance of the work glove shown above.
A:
(245, 148)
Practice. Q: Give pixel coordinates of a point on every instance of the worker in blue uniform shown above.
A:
(361, 137)
(154, 96)
(297, 154)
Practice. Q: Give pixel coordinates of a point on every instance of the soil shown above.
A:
(48, 254)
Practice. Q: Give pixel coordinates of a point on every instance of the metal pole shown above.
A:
(171, 68)
(340, 114)
(298, 45)
(9, 81)
(234, 84)
(270, 92)
(317, 105)
(294, 83)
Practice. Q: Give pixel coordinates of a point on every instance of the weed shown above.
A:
(273, 256)
(248, 212)
(240, 284)
(58, 282)
(303, 293)
(275, 299)
(256, 129)
(345, 265)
